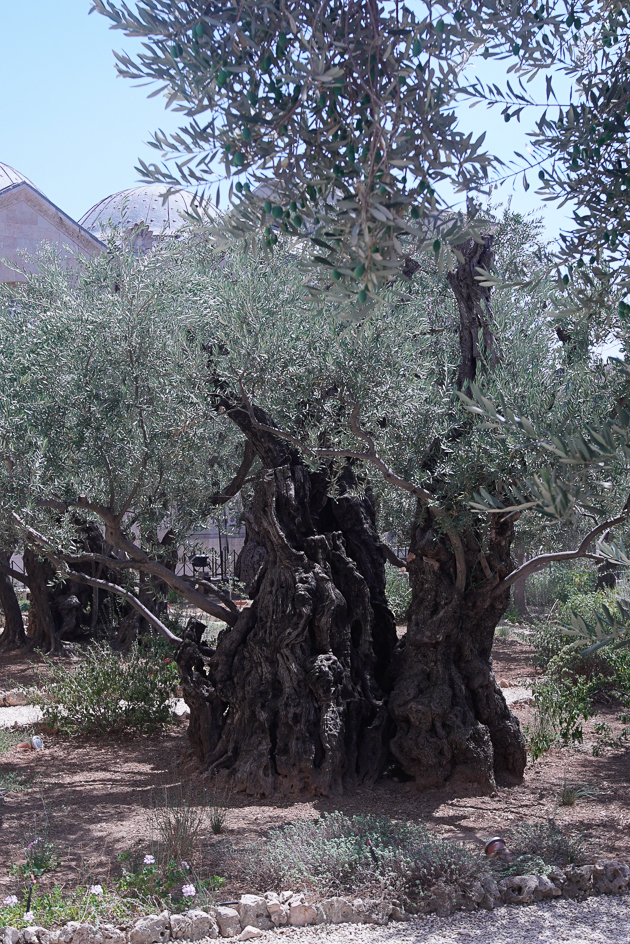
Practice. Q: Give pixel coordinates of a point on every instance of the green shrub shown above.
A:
(572, 688)
(547, 841)
(549, 635)
(558, 581)
(110, 693)
(359, 854)
(397, 591)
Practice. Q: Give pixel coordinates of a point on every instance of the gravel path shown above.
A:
(602, 920)
(24, 716)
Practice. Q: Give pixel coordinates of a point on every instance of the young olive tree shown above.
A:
(110, 447)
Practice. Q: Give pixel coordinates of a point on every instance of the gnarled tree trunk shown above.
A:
(13, 635)
(452, 721)
(42, 631)
(292, 700)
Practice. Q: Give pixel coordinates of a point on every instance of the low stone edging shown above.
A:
(253, 914)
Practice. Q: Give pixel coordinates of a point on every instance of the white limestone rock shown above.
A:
(301, 913)
(375, 911)
(74, 932)
(253, 912)
(249, 933)
(338, 911)
(546, 889)
(579, 881)
(278, 913)
(518, 889)
(181, 927)
(154, 929)
(229, 921)
(15, 699)
(611, 878)
(9, 935)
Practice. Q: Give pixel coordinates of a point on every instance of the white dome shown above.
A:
(140, 207)
(9, 177)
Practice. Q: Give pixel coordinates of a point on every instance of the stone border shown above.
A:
(254, 914)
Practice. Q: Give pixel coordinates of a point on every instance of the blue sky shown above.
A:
(66, 120)
(76, 129)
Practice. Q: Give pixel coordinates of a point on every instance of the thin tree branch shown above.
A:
(543, 560)
(391, 557)
(239, 479)
(10, 572)
(119, 591)
(223, 597)
(144, 563)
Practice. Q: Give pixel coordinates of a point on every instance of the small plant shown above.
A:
(168, 882)
(545, 840)
(40, 857)
(337, 854)
(9, 738)
(110, 693)
(178, 823)
(605, 738)
(572, 792)
(218, 818)
(58, 906)
(218, 811)
(397, 591)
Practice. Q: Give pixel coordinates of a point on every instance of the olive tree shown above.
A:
(112, 452)
(328, 405)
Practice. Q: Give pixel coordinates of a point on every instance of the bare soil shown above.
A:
(94, 797)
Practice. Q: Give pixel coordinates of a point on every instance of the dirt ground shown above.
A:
(96, 796)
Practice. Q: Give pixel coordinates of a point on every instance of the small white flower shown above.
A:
(29, 916)
(10, 900)
(149, 860)
(189, 891)
(96, 889)
(185, 865)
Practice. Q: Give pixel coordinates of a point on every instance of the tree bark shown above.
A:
(42, 632)
(473, 301)
(452, 721)
(13, 635)
(520, 598)
(293, 698)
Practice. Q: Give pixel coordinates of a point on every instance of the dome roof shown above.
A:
(9, 177)
(140, 207)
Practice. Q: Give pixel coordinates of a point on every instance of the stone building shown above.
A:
(28, 219)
